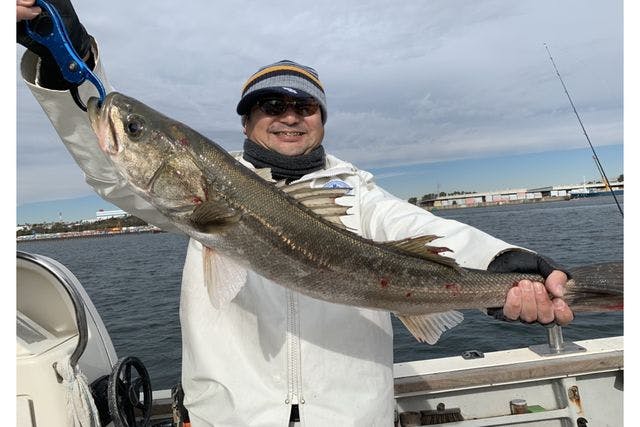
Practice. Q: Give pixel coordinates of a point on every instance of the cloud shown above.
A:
(406, 82)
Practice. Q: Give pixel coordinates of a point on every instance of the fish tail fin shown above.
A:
(429, 327)
(597, 287)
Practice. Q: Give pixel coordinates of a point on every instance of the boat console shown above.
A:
(66, 365)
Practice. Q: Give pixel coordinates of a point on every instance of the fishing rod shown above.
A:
(595, 156)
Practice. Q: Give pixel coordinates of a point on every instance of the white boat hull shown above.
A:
(563, 390)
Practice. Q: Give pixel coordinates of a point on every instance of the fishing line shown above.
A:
(595, 156)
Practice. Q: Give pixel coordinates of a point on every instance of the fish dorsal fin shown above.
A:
(222, 277)
(322, 201)
(301, 191)
(212, 216)
(281, 183)
(292, 188)
(419, 246)
(429, 327)
(264, 173)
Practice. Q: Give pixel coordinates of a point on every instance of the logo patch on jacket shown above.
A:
(337, 183)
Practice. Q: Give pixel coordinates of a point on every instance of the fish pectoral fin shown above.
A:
(429, 327)
(212, 215)
(419, 247)
(223, 277)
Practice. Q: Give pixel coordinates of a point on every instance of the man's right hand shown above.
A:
(26, 10)
(50, 75)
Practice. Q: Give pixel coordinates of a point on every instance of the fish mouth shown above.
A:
(94, 111)
(99, 118)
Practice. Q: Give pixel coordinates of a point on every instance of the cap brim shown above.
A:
(248, 101)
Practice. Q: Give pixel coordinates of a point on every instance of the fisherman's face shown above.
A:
(293, 132)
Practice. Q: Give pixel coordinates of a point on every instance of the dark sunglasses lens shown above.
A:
(272, 107)
(275, 107)
(306, 108)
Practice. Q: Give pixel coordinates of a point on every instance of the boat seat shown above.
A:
(49, 301)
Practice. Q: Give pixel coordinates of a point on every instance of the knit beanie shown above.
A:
(284, 77)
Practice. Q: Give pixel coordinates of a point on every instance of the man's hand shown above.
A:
(530, 301)
(26, 10)
(50, 75)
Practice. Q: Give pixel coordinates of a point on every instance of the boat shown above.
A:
(580, 193)
(518, 387)
(66, 366)
(596, 190)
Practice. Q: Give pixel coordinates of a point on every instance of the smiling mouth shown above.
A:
(289, 133)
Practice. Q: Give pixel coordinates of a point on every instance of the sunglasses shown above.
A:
(276, 106)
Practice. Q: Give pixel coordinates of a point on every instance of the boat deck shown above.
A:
(559, 390)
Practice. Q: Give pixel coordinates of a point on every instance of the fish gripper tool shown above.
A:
(72, 67)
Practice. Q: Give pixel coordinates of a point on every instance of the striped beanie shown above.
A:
(286, 78)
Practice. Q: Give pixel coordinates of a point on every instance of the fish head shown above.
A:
(150, 151)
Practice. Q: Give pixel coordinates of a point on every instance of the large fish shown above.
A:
(292, 234)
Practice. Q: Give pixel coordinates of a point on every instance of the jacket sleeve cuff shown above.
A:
(74, 129)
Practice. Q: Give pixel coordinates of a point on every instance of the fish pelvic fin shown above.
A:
(429, 327)
(223, 278)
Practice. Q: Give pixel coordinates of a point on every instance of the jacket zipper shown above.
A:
(293, 351)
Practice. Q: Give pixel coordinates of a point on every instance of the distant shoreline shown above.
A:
(501, 203)
(474, 200)
(90, 233)
(153, 229)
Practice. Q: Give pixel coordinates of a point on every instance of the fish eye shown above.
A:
(134, 126)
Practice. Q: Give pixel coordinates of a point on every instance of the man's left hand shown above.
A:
(531, 302)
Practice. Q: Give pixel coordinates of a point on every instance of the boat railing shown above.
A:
(76, 301)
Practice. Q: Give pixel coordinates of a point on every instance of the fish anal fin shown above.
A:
(419, 246)
(211, 216)
(223, 278)
(429, 327)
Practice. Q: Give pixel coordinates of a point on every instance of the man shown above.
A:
(272, 355)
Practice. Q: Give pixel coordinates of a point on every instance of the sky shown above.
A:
(434, 95)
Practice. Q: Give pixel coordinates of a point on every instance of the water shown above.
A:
(134, 282)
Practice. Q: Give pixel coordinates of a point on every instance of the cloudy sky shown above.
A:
(439, 94)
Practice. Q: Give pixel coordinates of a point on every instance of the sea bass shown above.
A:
(292, 234)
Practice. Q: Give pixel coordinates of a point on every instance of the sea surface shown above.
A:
(134, 282)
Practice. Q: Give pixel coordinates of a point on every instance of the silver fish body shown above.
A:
(282, 234)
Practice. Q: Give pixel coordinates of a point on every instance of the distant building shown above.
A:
(102, 214)
(520, 195)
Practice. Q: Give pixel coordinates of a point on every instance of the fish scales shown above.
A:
(215, 199)
(290, 242)
(331, 256)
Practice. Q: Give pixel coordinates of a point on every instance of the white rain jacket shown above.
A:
(247, 363)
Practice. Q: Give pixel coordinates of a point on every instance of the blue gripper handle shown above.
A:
(72, 67)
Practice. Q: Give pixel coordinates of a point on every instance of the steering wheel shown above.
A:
(124, 393)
